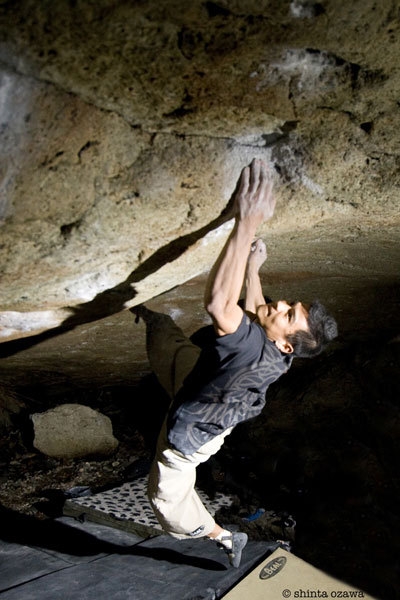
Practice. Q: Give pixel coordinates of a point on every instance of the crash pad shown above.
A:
(127, 507)
(159, 567)
(284, 575)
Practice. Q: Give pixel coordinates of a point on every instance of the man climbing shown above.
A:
(225, 383)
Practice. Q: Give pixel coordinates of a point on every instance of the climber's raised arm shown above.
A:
(254, 296)
(254, 203)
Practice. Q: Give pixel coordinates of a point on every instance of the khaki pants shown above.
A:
(172, 477)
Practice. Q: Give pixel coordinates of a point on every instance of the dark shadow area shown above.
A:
(325, 450)
(147, 412)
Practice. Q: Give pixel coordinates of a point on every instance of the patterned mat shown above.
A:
(127, 507)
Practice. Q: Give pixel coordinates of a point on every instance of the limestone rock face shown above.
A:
(72, 431)
(124, 127)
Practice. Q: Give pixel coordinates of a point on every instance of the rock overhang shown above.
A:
(126, 148)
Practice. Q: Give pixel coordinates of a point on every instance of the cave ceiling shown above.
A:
(123, 129)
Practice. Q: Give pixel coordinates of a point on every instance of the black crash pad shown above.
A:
(106, 564)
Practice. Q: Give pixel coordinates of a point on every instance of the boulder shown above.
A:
(72, 431)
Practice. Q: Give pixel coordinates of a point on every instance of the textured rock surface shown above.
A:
(124, 127)
(72, 431)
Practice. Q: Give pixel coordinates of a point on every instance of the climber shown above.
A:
(225, 383)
